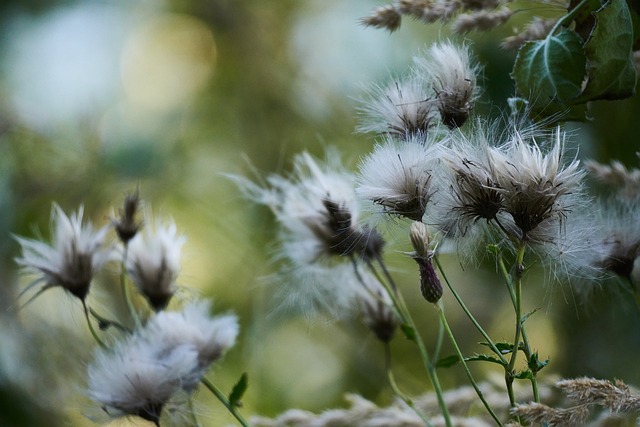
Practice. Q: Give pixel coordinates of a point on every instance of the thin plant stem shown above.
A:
(194, 417)
(105, 323)
(405, 317)
(568, 17)
(91, 328)
(125, 288)
(223, 399)
(471, 317)
(394, 386)
(439, 340)
(445, 324)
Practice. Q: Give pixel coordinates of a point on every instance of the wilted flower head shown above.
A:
(537, 186)
(194, 327)
(75, 255)
(403, 108)
(430, 285)
(317, 210)
(153, 262)
(452, 74)
(618, 238)
(397, 176)
(137, 378)
(377, 308)
(127, 226)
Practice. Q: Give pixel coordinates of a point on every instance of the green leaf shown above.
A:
(610, 69)
(408, 331)
(448, 361)
(524, 375)
(503, 347)
(535, 364)
(549, 74)
(483, 358)
(238, 390)
(526, 316)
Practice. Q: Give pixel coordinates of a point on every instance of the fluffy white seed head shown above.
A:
(153, 262)
(136, 378)
(537, 185)
(451, 72)
(403, 108)
(398, 177)
(194, 327)
(76, 253)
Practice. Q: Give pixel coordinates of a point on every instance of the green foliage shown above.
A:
(561, 73)
(238, 390)
(447, 361)
(409, 332)
(549, 73)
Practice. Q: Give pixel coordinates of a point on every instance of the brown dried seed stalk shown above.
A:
(589, 391)
(387, 17)
(538, 413)
(481, 20)
(537, 29)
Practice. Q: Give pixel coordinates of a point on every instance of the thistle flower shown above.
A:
(127, 226)
(430, 285)
(376, 307)
(403, 108)
(136, 378)
(194, 327)
(452, 73)
(318, 215)
(537, 187)
(397, 176)
(154, 261)
(618, 238)
(72, 259)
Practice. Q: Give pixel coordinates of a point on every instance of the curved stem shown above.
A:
(405, 317)
(91, 328)
(443, 321)
(455, 294)
(396, 390)
(223, 399)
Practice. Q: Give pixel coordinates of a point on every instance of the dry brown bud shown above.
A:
(481, 20)
(387, 17)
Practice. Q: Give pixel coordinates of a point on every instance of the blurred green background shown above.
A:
(98, 97)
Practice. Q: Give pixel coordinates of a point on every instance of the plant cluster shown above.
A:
(512, 190)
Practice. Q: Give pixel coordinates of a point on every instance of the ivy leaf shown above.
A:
(610, 69)
(238, 390)
(448, 361)
(549, 74)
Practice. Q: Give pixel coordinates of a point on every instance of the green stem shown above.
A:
(455, 294)
(443, 321)
(405, 317)
(392, 383)
(125, 288)
(91, 328)
(223, 399)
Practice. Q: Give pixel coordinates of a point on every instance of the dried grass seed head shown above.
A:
(398, 176)
(452, 73)
(387, 17)
(76, 253)
(153, 262)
